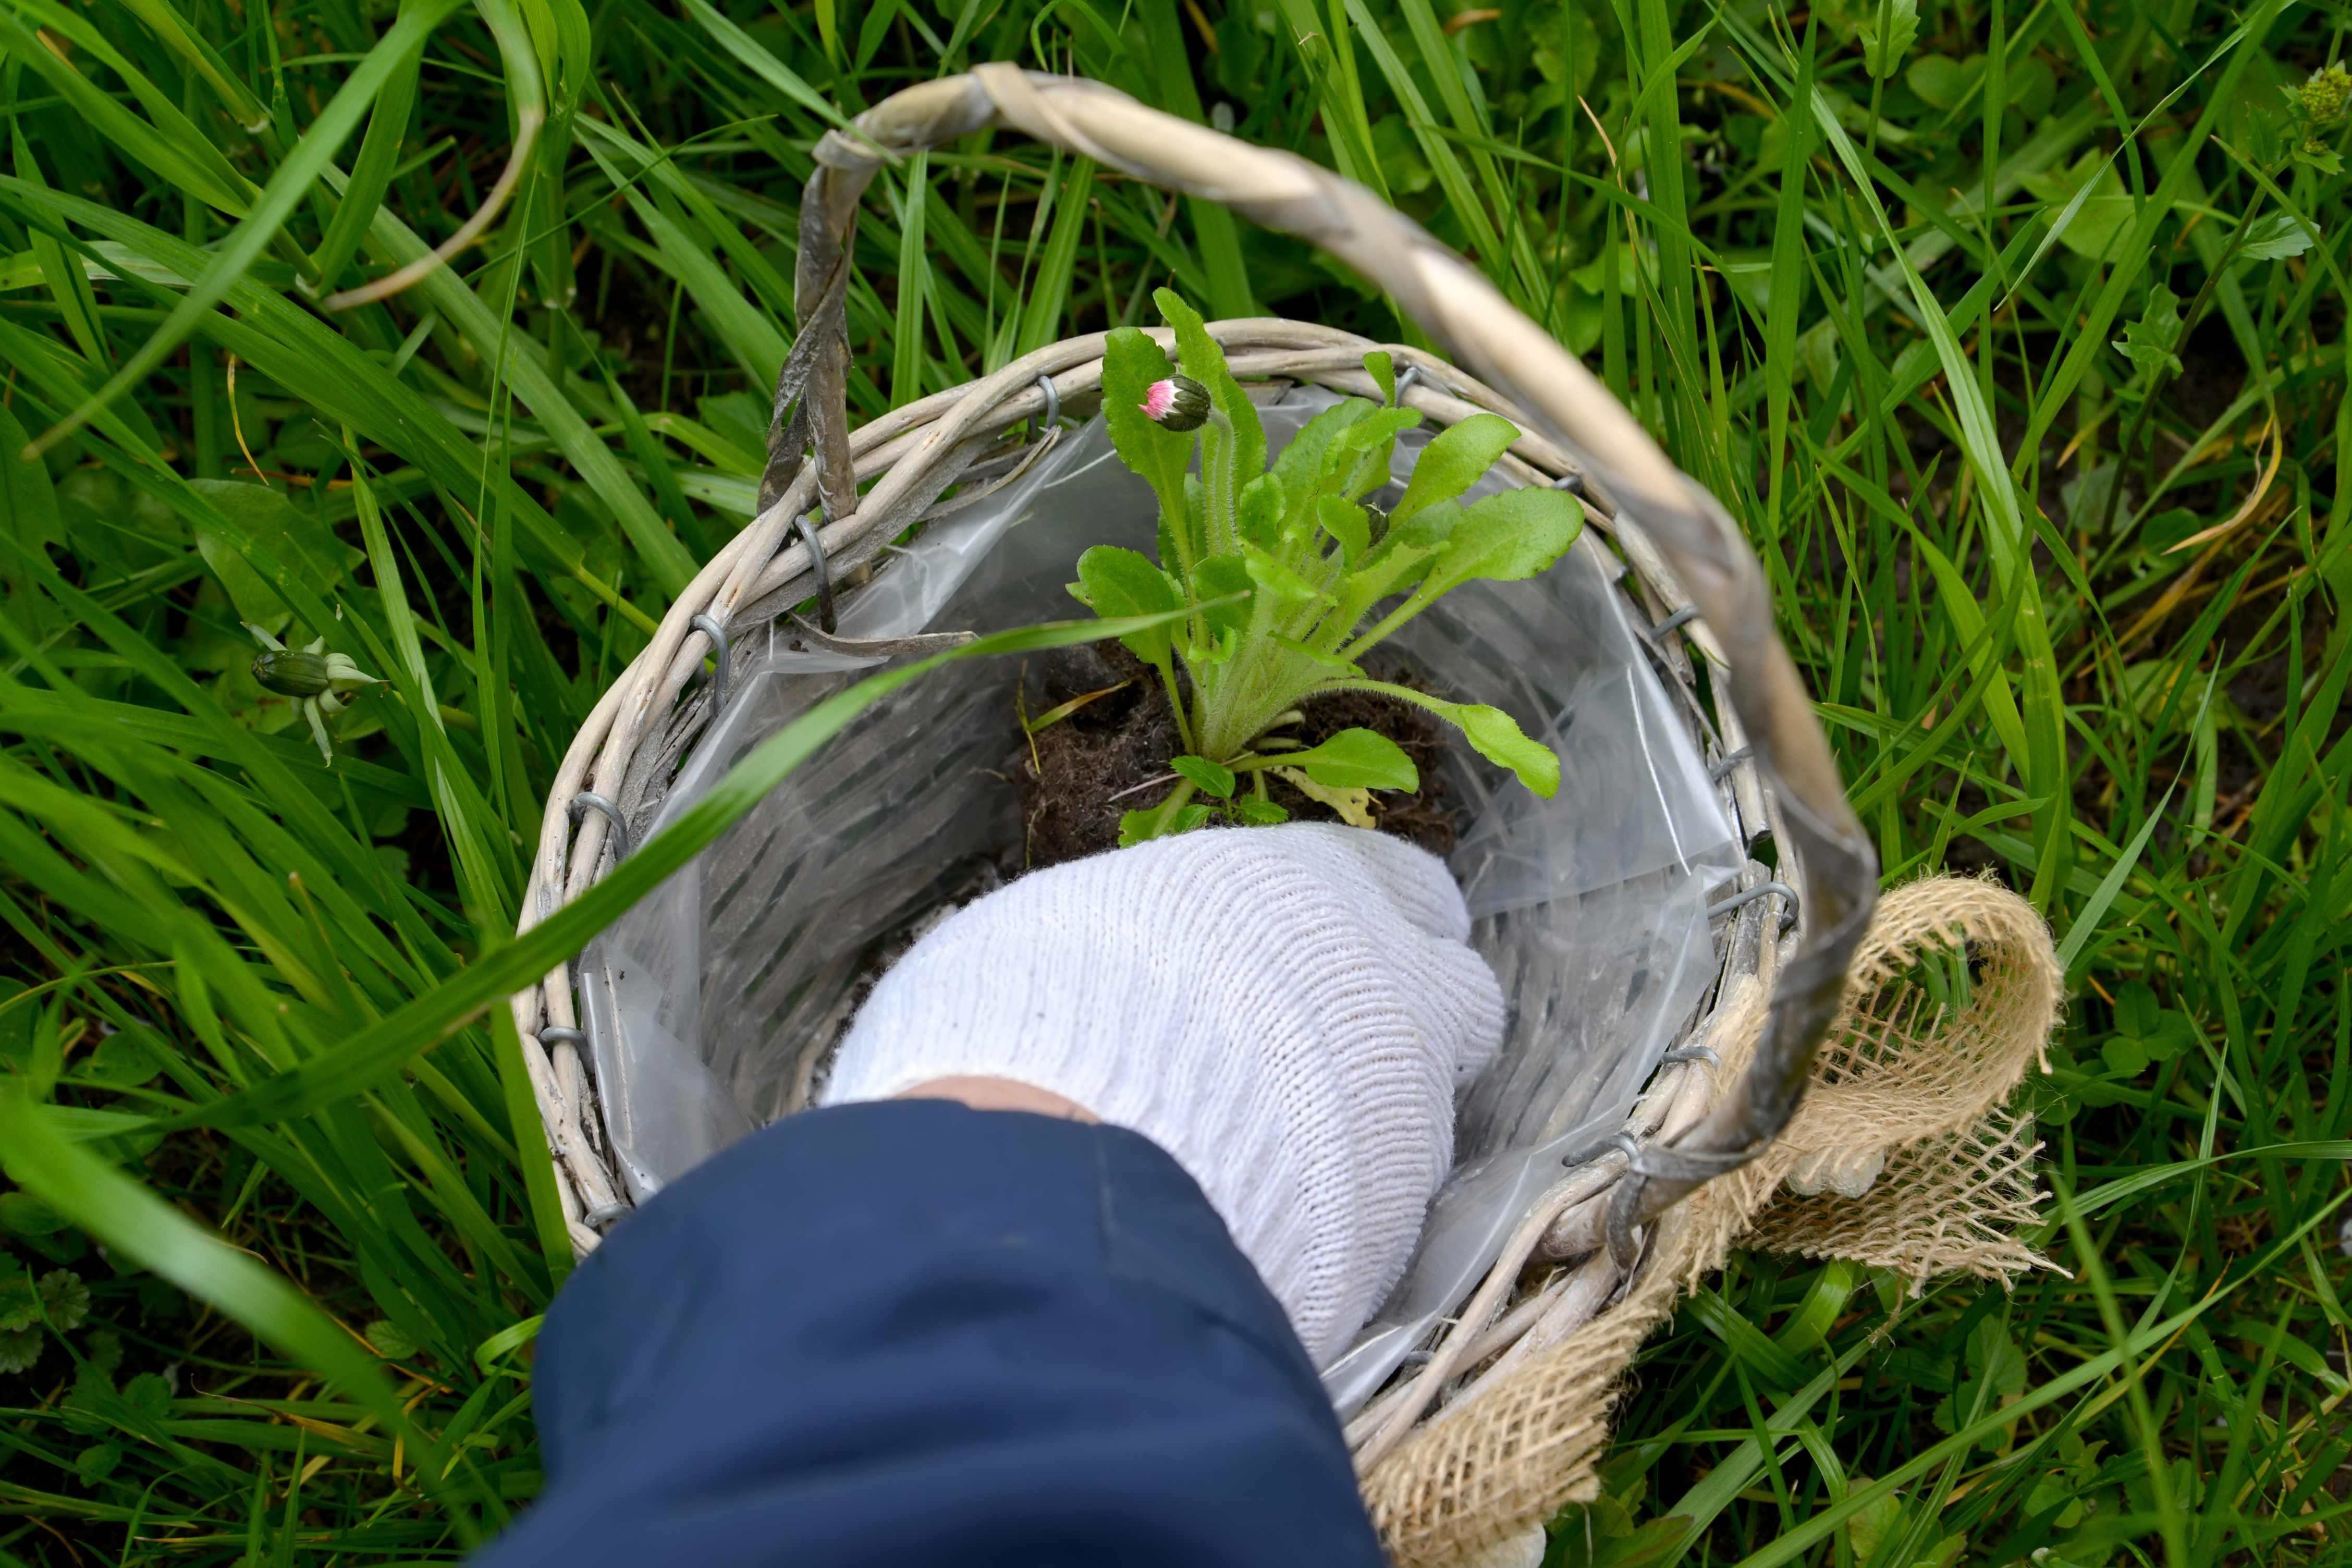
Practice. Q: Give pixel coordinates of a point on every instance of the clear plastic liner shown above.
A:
(703, 1002)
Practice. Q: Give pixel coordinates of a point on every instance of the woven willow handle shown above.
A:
(1456, 305)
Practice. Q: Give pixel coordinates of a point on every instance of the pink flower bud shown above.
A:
(1178, 403)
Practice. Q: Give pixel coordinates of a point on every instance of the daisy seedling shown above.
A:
(1292, 577)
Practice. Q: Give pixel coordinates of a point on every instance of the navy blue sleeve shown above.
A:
(910, 1333)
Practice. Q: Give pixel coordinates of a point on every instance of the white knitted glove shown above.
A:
(1288, 1011)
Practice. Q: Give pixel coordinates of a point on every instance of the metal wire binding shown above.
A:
(1413, 373)
(1573, 483)
(1739, 900)
(597, 1217)
(708, 626)
(1591, 1152)
(807, 526)
(1051, 414)
(1716, 771)
(555, 1031)
(1683, 616)
(1692, 1054)
(588, 800)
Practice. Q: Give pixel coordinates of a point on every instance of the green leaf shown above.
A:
(20, 1349)
(1302, 468)
(1136, 826)
(2173, 1033)
(1499, 739)
(383, 1336)
(1887, 30)
(95, 1463)
(2089, 206)
(1347, 522)
(65, 1299)
(1261, 812)
(1869, 1527)
(2149, 342)
(2277, 237)
(1454, 461)
(2136, 1008)
(21, 1214)
(1356, 759)
(2124, 1054)
(150, 1393)
(1996, 1373)
(1381, 367)
(1260, 513)
(1221, 577)
(124, 1060)
(302, 544)
(1504, 538)
(1118, 582)
(1373, 440)
(19, 1306)
(1287, 587)
(1494, 733)
(1214, 778)
(1943, 82)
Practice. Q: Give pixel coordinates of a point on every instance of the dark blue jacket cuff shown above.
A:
(911, 1332)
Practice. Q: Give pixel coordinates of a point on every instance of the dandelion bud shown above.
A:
(291, 673)
(1178, 403)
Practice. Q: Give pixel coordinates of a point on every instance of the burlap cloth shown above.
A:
(1903, 1155)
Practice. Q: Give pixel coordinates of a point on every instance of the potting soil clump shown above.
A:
(1107, 755)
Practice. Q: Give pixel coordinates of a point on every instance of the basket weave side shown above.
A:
(1911, 1091)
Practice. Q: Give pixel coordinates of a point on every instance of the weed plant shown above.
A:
(2012, 331)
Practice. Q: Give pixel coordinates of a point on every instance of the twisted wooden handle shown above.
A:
(1462, 311)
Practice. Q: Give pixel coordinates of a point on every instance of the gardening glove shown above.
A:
(1288, 1011)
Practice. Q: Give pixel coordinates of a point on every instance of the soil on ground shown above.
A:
(1080, 775)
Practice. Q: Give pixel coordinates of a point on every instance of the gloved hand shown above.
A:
(1288, 1011)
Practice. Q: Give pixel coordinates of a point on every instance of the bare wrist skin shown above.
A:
(1000, 1094)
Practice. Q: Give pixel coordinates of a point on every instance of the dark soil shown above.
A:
(1079, 775)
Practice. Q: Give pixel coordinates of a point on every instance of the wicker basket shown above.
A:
(1698, 586)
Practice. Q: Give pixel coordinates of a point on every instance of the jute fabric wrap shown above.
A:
(1908, 1095)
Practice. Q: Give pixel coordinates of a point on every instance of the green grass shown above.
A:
(2073, 611)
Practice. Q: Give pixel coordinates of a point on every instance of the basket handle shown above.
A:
(1835, 864)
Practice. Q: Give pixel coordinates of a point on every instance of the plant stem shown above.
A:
(1178, 798)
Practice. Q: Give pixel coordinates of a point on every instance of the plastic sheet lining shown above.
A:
(705, 1004)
